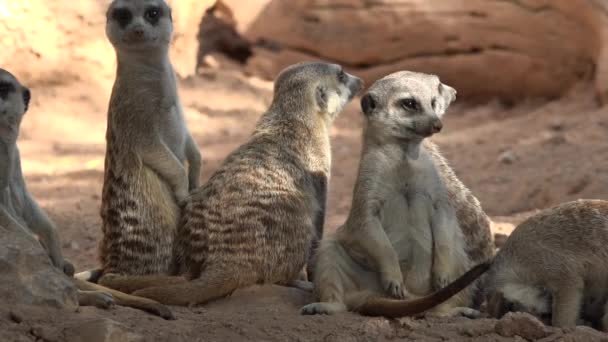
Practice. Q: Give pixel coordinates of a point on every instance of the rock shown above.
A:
(521, 324)
(187, 15)
(507, 157)
(100, 330)
(27, 275)
(466, 43)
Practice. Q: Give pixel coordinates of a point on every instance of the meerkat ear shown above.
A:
(27, 95)
(448, 93)
(369, 103)
(322, 97)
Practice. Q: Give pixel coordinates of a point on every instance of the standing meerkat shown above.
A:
(413, 226)
(555, 264)
(148, 146)
(256, 218)
(19, 211)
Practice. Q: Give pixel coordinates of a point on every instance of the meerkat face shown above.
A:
(513, 298)
(139, 24)
(407, 105)
(14, 102)
(326, 87)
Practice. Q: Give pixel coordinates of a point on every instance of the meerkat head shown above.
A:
(14, 102)
(512, 298)
(315, 87)
(139, 24)
(407, 105)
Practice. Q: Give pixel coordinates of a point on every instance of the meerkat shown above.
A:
(256, 219)
(152, 161)
(413, 227)
(19, 211)
(554, 266)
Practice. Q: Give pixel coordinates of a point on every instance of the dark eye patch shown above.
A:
(153, 14)
(122, 16)
(27, 96)
(409, 104)
(434, 103)
(6, 88)
(342, 77)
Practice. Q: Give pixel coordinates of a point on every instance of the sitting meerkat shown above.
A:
(19, 211)
(413, 227)
(256, 219)
(555, 264)
(148, 147)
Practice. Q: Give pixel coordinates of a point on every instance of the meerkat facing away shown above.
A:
(256, 218)
(555, 264)
(148, 145)
(413, 227)
(19, 211)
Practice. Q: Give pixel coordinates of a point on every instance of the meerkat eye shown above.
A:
(342, 77)
(122, 16)
(434, 103)
(153, 14)
(409, 104)
(5, 89)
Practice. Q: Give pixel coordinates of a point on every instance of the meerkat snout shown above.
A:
(437, 126)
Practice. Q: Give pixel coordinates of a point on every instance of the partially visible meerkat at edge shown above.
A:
(413, 227)
(152, 161)
(20, 213)
(554, 266)
(256, 219)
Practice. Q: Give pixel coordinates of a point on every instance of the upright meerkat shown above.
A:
(555, 264)
(148, 145)
(19, 211)
(413, 226)
(256, 218)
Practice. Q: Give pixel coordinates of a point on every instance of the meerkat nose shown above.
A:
(437, 126)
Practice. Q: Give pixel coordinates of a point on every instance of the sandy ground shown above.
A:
(516, 160)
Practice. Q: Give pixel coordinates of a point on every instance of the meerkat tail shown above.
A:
(92, 276)
(392, 308)
(131, 283)
(124, 299)
(214, 283)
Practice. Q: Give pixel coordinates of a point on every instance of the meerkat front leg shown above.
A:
(41, 225)
(567, 301)
(193, 155)
(166, 164)
(378, 248)
(446, 243)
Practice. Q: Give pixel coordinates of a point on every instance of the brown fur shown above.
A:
(256, 219)
(414, 228)
(20, 212)
(554, 264)
(151, 159)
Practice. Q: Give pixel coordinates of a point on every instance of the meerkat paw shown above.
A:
(395, 288)
(323, 308)
(463, 311)
(99, 299)
(68, 269)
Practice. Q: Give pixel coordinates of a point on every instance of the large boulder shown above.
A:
(508, 49)
(27, 276)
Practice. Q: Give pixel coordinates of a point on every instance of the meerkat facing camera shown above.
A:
(19, 211)
(413, 227)
(152, 160)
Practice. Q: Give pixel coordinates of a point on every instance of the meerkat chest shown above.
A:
(172, 128)
(14, 201)
(409, 207)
